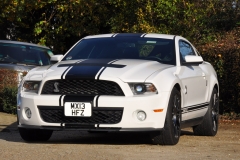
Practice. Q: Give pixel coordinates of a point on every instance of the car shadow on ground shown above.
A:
(8, 128)
(113, 138)
(10, 133)
(187, 132)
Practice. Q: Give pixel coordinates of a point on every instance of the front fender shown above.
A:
(165, 81)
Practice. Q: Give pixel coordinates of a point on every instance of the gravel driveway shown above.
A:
(84, 145)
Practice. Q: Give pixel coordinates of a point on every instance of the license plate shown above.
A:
(78, 109)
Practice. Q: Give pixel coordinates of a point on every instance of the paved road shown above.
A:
(83, 145)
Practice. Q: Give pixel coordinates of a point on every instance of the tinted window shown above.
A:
(16, 53)
(161, 50)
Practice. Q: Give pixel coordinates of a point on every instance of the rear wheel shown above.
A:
(209, 126)
(171, 132)
(35, 134)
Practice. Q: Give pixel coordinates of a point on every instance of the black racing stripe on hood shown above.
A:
(67, 69)
(110, 65)
(88, 69)
(65, 72)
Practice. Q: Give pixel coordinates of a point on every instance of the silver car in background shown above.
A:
(22, 56)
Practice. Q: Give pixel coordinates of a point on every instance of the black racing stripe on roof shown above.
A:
(113, 34)
(129, 35)
(143, 35)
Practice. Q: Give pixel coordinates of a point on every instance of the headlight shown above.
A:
(143, 88)
(31, 86)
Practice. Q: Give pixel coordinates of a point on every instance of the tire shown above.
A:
(31, 135)
(171, 132)
(209, 126)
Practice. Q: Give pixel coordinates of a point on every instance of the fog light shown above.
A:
(28, 113)
(141, 115)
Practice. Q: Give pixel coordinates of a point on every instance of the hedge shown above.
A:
(8, 90)
(224, 55)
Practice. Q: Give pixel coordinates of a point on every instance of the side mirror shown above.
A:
(55, 58)
(192, 60)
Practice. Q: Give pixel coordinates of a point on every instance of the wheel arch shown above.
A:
(178, 87)
(213, 85)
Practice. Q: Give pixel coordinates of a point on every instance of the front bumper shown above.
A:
(79, 127)
(129, 122)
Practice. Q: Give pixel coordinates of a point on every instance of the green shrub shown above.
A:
(8, 90)
(9, 99)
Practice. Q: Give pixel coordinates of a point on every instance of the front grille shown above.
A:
(100, 115)
(82, 87)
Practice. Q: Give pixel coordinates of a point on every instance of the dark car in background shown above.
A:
(22, 56)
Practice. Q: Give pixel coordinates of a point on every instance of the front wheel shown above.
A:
(209, 126)
(32, 135)
(171, 132)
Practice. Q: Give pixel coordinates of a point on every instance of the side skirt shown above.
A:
(191, 122)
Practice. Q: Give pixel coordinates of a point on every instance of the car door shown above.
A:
(193, 78)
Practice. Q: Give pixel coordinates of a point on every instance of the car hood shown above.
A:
(17, 67)
(127, 70)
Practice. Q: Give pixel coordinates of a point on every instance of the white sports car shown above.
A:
(152, 83)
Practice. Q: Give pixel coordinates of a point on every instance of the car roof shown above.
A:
(23, 43)
(148, 35)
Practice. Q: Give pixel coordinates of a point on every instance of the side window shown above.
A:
(185, 49)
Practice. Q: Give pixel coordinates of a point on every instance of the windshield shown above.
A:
(156, 49)
(24, 54)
